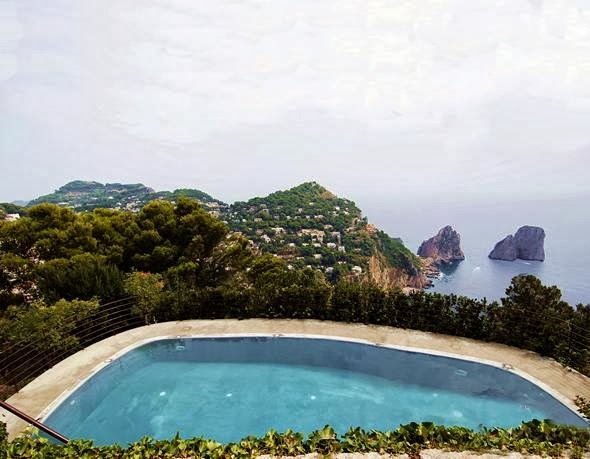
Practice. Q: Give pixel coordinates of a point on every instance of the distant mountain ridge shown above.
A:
(88, 195)
(307, 225)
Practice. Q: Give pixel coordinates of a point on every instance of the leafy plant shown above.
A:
(534, 437)
(583, 406)
(3, 440)
(146, 289)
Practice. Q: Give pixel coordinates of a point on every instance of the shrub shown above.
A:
(534, 437)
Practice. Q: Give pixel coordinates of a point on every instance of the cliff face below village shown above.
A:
(527, 244)
(387, 276)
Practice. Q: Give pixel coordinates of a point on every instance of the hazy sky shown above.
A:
(240, 97)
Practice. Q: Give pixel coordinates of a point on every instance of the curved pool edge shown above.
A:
(40, 397)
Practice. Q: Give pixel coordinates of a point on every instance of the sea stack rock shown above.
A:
(444, 248)
(530, 243)
(526, 244)
(504, 250)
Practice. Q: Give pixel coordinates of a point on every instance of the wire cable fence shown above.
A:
(22, 361)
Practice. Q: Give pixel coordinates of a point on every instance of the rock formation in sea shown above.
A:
(530, 243)
(526, 244)
(444, 248)
(504, 249)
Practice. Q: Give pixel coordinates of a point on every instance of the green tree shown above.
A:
(579, 343)
(114, 231)
(532, 316)
(15, 279)
(146, 290)
(290, 293)
(83, 277)
(47, 328)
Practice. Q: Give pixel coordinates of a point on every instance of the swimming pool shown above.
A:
(229, 387)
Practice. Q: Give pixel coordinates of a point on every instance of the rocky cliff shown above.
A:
(387, 276)
(443, 248)
(530, 243)
(526, 244)
(504, 249)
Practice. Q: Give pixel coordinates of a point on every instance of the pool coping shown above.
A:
(44, 394)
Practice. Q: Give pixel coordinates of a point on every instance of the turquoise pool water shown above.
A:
(228, 388)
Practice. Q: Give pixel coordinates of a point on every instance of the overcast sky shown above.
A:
(372, 98)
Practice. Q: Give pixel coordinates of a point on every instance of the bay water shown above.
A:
(482, 223)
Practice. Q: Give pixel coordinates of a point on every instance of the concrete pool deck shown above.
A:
(42, 394)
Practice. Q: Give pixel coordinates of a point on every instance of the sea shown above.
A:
(482, 223)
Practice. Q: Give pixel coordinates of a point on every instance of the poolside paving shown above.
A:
(40, 395)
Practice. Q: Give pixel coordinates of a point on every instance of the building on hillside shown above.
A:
(315, 234)
(11, 217)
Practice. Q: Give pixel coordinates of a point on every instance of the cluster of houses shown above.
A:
(130, 202)
(308, 237)
(317, 237)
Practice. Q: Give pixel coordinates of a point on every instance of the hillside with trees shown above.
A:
(309, 226)
(86, 195)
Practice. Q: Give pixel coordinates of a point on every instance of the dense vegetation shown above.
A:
(535, 437)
